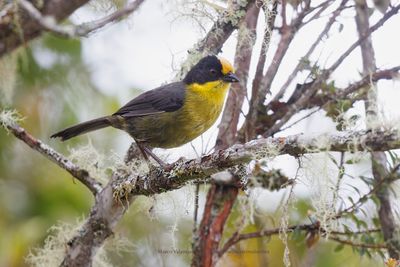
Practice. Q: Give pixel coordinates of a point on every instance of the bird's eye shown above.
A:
(213, 71)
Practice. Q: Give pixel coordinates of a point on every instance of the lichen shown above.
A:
(269, 150)
(9, 117)
(88, 158)
(284, 224)
(53, 251)
(320, 175)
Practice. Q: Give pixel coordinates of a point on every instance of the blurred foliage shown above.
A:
(52, 90)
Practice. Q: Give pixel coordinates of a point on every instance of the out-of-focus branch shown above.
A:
(308, 228)
(106, 212)
(378, 159)
(80, 174)
(17, 26)
(358, 244)
(49, 24)
(219, 202)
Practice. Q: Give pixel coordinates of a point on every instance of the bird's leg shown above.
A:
(147, 152)
(150, 153)
(143, 151)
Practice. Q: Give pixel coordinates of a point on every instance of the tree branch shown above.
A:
(17, 27)
(112, 202)
(310, 228)
(80, 174)
(81, 30)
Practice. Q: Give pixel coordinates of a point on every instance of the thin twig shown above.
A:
(391, 177)
(358, 244)
(304, 227)
(88, 27)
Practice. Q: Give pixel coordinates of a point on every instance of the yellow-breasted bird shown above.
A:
(170, 115)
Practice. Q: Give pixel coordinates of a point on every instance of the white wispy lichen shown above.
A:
(9, 117)
(91, 160)
(53, 251)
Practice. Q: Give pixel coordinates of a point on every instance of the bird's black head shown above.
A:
(211, 68)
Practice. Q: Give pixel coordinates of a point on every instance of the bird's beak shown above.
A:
(230, 78)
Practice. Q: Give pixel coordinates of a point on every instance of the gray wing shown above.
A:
(165, 98)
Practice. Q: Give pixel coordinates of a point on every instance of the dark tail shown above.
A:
(82, 128)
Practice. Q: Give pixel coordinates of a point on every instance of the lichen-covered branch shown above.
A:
(159, 181)
(80, 174)
(112, 201)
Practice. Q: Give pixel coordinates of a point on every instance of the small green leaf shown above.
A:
(338, 248)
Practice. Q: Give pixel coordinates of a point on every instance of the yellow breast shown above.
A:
(203, 104)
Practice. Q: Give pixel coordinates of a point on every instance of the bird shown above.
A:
(171, 115)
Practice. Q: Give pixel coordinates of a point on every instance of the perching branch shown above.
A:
(158, 181)
(112, 201)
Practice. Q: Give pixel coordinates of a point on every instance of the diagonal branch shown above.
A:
(80, 174)
(17, 27)
(83, 29)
